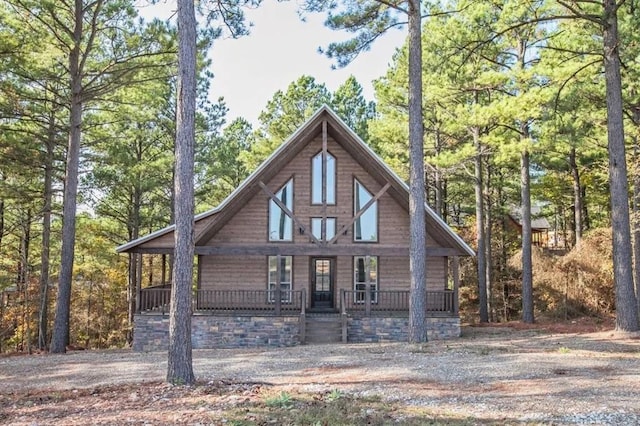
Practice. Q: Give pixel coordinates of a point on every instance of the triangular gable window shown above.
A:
(365, 228)
(280, 224)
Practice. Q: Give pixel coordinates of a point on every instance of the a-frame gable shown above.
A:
(322, 122)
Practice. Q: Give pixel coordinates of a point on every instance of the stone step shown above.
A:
(323, 329)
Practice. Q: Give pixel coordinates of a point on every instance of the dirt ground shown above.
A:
(567, 373)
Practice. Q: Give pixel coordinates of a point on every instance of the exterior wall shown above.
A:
(151, 332)
(233, 273)
(250, 225)
(376, 329)
(168, 240)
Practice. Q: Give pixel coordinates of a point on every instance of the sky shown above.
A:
(279, 49)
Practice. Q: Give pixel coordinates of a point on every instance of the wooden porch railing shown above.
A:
(157, 299)
(438, 302)
(247, 300)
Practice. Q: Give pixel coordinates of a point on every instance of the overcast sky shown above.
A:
(280, 49)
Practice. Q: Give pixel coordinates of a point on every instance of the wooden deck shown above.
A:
(264, 302)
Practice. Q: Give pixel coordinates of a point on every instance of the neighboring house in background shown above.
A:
(539, 225)
(313, 246)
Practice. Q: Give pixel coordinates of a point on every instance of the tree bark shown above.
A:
(179, 364)
(60, 337)
(626, 303)
(418, 239)
(481, 252)
(46, 236)
(577, 196)
(135, 278)
(488, 244)
(636, 214)
(527, 266)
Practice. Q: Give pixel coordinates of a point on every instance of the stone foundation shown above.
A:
(151, 332)
(361, 329)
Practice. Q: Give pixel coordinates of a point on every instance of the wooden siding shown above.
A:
(250, 273)
(167, 240)
(233, 273)
(250, 224)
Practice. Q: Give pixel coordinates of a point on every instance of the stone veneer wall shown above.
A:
(361, 329)
(151, 332)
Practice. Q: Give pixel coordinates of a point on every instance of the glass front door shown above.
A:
(322, 277)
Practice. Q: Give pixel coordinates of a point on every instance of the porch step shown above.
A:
(323, 328)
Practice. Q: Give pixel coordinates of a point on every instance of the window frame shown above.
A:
(285, 295)
(360, 297)
(356, 182)
(335, 181)
(271, 204)
(323, 227)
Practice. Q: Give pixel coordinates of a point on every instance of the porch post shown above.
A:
(343, 314)
(277, 294)
(367, 286)
(137, 282)
(455, 270)
(303, 316)
(367, 299)
(163, 276)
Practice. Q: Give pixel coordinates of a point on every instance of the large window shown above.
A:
(285, 277)
(326, 232)
(320, 184)
(365, 271)
(280, 224)
(366, 226)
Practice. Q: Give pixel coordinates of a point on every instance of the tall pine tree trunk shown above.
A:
(179, 363)
(636, 214)
(626, 304)
(135, 278)
(577, 196)
(60, 337)
(527, 266)
(46, 237)
(481, 252)
(418, 238)
(488, 245)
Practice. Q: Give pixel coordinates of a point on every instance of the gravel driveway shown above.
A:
(493, 374)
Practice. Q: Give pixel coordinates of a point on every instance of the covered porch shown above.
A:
(156, 299)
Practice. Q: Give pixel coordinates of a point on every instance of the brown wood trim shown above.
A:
(316, 250)
(288, 212)
(290, 249)
(360, 213)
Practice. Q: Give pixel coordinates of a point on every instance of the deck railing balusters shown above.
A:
(367, 301)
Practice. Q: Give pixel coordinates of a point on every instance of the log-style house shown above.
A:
(312, 246)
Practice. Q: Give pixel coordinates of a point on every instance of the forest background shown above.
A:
(498, 78)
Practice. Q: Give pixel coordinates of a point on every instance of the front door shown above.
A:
(322, 278)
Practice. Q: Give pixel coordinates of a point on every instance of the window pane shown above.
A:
(280, 224)
(316, 179)
(273, 263)
(360, 270)
(331, 179)
(285, 269)
(316, 227)
(285, 277)
(366, 226)
(331, 228)
(361, 278)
